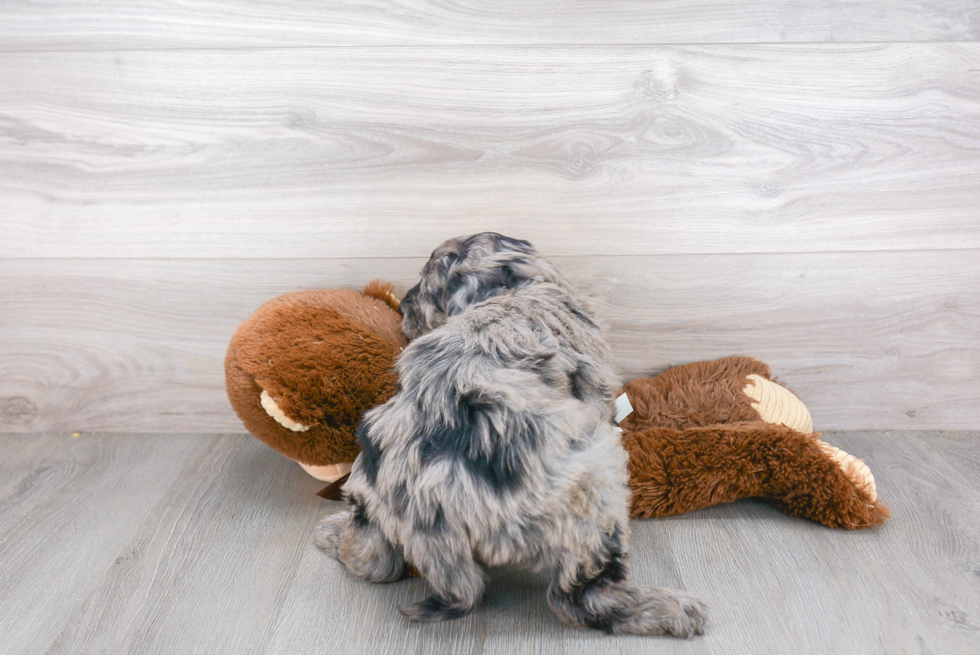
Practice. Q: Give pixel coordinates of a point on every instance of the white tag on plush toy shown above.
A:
(623, 408)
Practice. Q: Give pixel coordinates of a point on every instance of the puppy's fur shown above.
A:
(499, 449)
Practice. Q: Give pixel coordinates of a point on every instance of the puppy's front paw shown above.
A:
(327, 533)
(665, 611)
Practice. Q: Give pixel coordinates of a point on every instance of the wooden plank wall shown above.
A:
(795, 181)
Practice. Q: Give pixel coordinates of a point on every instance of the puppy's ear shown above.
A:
(472, 286)
(443, 275)
(514, 245)
(511, 276)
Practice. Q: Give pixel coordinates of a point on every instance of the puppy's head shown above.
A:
(467, 270)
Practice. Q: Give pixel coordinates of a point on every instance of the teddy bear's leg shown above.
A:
(841, 491)
(360, 546)
(676, 471)
(778, 405)
(853, 467)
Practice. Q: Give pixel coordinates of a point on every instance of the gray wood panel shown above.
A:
(207, 568)
(66, 505)
(381, 152)
(221, 561)
(868, 340)
(903, 588)
(145, 24)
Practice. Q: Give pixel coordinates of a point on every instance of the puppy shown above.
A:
(499, 449)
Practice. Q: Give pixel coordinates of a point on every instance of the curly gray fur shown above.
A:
(499, 449)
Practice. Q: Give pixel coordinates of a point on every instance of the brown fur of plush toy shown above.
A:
(324, 357)
(695, 439)
(694, 395)
(678, 471)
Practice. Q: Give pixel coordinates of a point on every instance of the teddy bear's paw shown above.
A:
(777, 405)
(854, 468)
(328, 472)
(270, 406)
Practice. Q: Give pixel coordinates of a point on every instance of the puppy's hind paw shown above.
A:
(326, 537)
(434, 608)
(665, 611)
(696, 612)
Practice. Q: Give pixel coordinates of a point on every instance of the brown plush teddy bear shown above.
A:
(304, 368)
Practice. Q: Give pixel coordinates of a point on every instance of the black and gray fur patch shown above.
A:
(434, 608)
(499, 466)
(370, 456)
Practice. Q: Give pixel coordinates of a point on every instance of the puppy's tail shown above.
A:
(620, 607)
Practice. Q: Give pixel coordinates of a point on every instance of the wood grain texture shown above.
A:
(142, 24)
(868, 340)
(66, 505)
(904, 588)
(206, 570)
(222, 561)
(384, 152)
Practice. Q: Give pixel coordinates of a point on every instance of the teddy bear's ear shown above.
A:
(383, 291)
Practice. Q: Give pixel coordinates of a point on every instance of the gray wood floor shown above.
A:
(190, 544)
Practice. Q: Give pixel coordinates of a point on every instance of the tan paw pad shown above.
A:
(777, 405)
(854, 468)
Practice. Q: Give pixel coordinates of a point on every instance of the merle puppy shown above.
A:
(499, 449)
